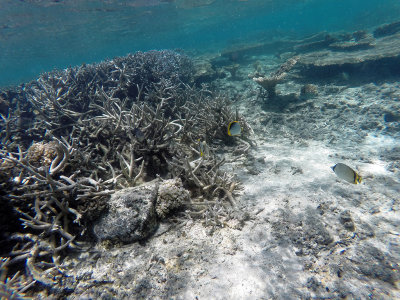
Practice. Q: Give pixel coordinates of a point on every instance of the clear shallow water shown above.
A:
(39, 35)
(306, 223)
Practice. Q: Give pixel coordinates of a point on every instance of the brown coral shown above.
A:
(42, 154)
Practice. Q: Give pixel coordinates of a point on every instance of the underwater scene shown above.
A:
(209, 149)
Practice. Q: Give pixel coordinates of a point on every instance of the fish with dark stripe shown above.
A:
(346, 173)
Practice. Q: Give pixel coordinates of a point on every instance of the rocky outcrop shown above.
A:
(171, 196)
(382, 59)
(134, 212)
(131, 215)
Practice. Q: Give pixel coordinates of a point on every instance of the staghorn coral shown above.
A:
(14, 287)
(98, 129)
(212, 190)
(206, 116)
(64, 97)
(171, 196)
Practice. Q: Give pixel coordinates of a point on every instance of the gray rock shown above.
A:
(171, 196)
(131, 216)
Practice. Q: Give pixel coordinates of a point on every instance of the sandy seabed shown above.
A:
(308, 233)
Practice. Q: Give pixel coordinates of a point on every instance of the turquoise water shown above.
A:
(38, 36)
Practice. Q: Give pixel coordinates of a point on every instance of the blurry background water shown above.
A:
(40, 35)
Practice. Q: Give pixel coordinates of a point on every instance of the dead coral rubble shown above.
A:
(97, 129)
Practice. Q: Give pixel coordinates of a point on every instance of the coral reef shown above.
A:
(44, 154)
(387, 29)
(205, 71)
(95, 130)
(365, 57)
(362, 44)
(268, 83)
(232, 69)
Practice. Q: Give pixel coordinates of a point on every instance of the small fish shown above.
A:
(345, 172)
(203, 148)
(234, 128)
(139, 134)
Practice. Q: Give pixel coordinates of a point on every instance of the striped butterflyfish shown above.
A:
(234, 128)
(203, 148)
(346, 173)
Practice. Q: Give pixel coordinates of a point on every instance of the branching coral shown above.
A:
(96, 129)
(62, 98)
(269, 82)
(212, 190)
(47, 203)
(13, 287)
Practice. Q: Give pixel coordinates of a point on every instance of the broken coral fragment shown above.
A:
(269, 82)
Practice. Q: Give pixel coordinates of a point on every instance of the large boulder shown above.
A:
(131, 215)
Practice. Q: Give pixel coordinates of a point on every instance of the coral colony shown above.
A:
(73, 138)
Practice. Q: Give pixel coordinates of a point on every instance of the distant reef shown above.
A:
(375, 54)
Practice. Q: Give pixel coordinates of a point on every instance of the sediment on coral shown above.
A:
(97, 129)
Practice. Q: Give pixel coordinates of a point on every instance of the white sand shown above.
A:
(296, 244)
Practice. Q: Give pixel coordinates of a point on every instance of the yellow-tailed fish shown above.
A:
(234, 128)
(346, 173)
(203, 148)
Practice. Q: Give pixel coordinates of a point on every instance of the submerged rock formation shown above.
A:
(368, 56)
(131, 215)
